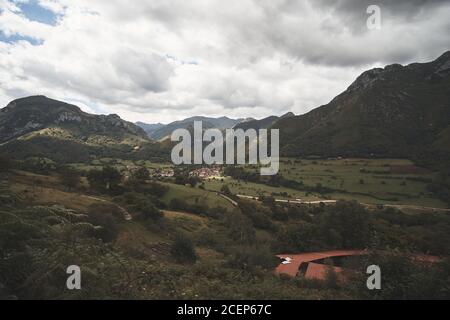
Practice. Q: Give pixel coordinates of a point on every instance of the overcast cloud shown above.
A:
(163, 60)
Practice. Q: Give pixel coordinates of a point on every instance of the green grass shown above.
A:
(258, 189)
(195, 196)
(364, 180)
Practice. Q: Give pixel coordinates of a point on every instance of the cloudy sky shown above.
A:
(163, 60)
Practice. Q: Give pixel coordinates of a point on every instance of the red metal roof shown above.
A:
(291, 269)
(319, 271)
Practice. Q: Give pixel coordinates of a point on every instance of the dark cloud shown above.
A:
(162, 60)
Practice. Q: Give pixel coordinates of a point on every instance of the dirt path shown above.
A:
(295, 201)
(396, 206)
(234, 203)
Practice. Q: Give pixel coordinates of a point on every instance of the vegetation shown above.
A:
(137, 234)
(381, 120)
(183, 249)
(385, 181)
(106, 181)
(198, 246)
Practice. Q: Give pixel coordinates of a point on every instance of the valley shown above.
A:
(368, 172)
(238, 242)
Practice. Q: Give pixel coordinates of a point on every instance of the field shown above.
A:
(258, 189)
(390, 181)
(372, 181)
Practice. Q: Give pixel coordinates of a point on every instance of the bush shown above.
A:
(141, 205)
(251, 257)
(183, 250)
(257, 215)
(105, 216)
(149, 212)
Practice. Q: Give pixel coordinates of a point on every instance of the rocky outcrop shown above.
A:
(23, 116)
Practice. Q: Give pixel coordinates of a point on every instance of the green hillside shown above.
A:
(398, 111)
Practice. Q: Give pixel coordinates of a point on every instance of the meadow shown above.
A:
(372, 181)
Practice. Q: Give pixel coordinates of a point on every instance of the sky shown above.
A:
(165, 60)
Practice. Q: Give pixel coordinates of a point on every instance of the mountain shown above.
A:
(40, 115)
(208, 123)
(39, 126)
(263, 123)
(396, 111)
(149, 128)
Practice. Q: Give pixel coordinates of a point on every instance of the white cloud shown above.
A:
(165, 60)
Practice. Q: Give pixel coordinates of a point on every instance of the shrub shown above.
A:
(183, 250)
(105, 216)
(251, 257)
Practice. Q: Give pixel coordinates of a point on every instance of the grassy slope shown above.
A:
(195, 196)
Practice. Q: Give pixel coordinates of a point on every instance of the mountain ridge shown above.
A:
(38, 126)
(395, 111)
(34, 113)
(164, 131)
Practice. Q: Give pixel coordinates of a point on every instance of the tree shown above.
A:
(350, 222)
(240, 228)
(112, 177)
(141, 205)
(106, 180)
(150, 212)
(183, 250)
(96, 181)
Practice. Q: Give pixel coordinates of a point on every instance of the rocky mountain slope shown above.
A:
(44, 116)
(396, 111)
(41, 127)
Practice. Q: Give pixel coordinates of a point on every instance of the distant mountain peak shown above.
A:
(367, 79)
(287, 115)
(26, 115)
(160, 132)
